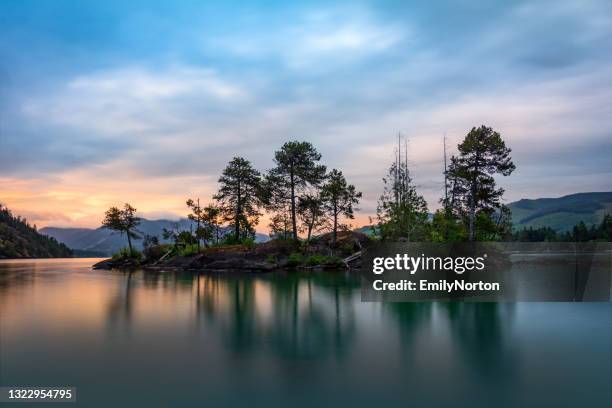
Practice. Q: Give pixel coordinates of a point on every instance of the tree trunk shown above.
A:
(310, 226)
(238, 213)
(129, 241)
(198, 234)
(335, 234)
(474, 189)
(293, 217)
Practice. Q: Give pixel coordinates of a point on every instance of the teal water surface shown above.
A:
(291, 339)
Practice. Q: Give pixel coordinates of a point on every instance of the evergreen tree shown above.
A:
(123, 220)
(311, 214)
(296, 170)
(280, 225)
(482, 154)
(401, 211)
(197, 215)
(338, 198)
(213, 219)
(239, 196)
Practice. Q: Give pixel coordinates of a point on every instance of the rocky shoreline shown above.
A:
(266, 257)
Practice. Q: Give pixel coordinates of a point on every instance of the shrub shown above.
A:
(125, 253)
(333, 261)
(230, 239)
(248, 242)
(188, 250)
(323, 260)
(295, 259)
(271, 259)
(347, 249)
(155, 252)
(315, 260)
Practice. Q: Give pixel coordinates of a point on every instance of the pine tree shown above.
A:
(239, 196)
(401, 212)
(482, 154)
(338, 198)
(311, 214)
(123, 220)
(296, 170)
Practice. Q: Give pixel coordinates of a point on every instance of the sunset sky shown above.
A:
(145, 102)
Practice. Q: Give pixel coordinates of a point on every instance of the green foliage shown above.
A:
(189, 250)
(473, 191)
(322, 260)
(446, 227)
(230, 239)
(239, 196)
(127, 253)
(338, 198)
(316, 259)
(18, 239)
(296, 169)
(580, 233)
(311, 214)
(295, 259)
(401, 211)
(122, 220)
(347, 249)
(272, 259)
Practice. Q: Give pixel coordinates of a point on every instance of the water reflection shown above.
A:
(223, 333)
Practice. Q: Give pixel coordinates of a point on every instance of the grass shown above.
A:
(125, 253)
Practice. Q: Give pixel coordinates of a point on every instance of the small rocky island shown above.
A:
(278, 254)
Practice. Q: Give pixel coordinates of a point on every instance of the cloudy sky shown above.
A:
(114, 101)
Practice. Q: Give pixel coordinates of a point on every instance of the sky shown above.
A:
(145, 102)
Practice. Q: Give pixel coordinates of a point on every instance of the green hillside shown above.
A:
(561, 214)
(20, 240)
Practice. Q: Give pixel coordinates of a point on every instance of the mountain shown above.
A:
(561, 214)
(18, 239)
(106, 242)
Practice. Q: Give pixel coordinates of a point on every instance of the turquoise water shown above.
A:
(301, 339)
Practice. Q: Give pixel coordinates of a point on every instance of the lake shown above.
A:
(288, 339)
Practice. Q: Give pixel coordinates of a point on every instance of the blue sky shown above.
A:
(104, 102)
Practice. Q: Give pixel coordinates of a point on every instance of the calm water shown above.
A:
(166, 339)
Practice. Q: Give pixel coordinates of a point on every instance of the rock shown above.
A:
(123, 263)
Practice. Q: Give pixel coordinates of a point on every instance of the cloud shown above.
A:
(131, 99)
(316, 39)
(156, 121)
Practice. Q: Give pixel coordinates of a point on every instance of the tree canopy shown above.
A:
(240, 196)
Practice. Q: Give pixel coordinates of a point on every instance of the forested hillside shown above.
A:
(18, 239)
(563, 213)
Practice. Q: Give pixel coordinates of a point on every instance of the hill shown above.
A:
(18, 239)
(106, 242)
(561, 214)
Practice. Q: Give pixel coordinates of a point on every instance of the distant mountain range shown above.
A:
(562, 213)
(104, 242)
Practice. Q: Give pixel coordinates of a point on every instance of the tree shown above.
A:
(296, 169)
(123, 220)
(213, 219)
(338, 198)
(311, 214)
(280, 225)
(401, 211)
(482, 154)
(197, 215)
(239, 196)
